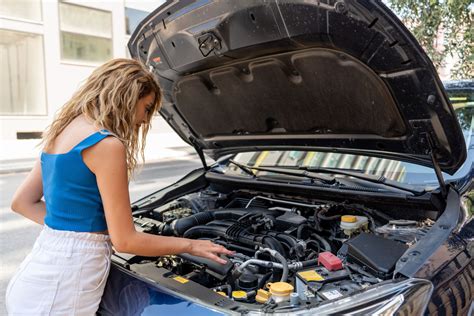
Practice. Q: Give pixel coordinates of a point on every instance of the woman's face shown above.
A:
(144, 107)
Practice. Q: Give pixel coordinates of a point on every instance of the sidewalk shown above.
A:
(20, 155)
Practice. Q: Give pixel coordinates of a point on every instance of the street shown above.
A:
(18, 234)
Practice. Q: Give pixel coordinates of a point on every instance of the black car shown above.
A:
(342, 173)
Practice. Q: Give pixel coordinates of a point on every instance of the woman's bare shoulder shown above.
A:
(108, 154)
(75, 132)
(110, 146)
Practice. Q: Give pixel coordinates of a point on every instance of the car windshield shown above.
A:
(462, 99)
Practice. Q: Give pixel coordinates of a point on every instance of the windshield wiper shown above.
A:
(310, 172)
(367, 177)
(244, 168)
(322, 178)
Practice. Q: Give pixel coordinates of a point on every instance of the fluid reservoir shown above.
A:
(351, 224)
(247, 282)
(280, 291)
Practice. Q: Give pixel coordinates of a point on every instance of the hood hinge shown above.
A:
(439, 175)
(198, 149)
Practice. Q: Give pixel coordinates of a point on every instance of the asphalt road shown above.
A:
(18, 234)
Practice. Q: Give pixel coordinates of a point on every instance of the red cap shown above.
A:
(329, 261)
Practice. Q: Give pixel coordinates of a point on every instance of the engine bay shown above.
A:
(289, 251)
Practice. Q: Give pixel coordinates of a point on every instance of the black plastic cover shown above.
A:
(379, 255)
(220, 269)
(300, 75)
(289, 219)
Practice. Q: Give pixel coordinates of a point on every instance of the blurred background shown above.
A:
(47, 48)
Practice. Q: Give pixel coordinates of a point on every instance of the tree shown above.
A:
(443, 28)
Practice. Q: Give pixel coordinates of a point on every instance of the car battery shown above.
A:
(308, 282)
(332, 291)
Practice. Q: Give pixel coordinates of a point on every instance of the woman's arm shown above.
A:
(107, 160)
(27, 198)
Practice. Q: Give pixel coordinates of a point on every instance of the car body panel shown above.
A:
(125, 295)
(344, 76)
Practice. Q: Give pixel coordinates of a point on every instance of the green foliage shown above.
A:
(431, 20)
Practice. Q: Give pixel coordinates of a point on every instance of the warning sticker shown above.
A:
(181, 279)
(331, 295)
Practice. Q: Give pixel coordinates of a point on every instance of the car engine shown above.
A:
(287, 250)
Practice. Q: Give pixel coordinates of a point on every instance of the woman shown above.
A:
(89, 152)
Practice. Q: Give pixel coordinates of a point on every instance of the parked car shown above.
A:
(342, 173)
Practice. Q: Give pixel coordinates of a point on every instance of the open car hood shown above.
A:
(302, 75)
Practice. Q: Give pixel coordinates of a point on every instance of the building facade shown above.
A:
(48, 47)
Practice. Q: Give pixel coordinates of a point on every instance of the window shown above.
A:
(86, 34)
(24, 9)
(22, 90)
(132, 18)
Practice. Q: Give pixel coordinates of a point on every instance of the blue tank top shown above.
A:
(70, 189)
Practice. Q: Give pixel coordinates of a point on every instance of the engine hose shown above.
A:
(312, 242)
(284, 275)
(312, 255)
(288, 239)
(232, 246)
(299, 232)
(309, 263)
(264, 279)
(283, 265)
(328, 218)
(274, 244)
(205, 231)
(323, 241)
(297, 247)
(225, 287)
(280, 258)
(298, 265)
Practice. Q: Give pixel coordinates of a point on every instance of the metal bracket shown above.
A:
(208, 42)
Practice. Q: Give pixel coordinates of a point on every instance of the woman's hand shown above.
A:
(208, 249)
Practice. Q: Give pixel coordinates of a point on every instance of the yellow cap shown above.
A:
(222, 293)
(280, 288)
(310, 275)
(239, 295)
(348, 219)
(262, 296)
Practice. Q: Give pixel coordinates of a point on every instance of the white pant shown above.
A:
(65, 274)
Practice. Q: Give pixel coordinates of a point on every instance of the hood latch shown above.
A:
(209, 43)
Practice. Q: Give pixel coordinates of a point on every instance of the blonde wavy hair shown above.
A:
(109, 98)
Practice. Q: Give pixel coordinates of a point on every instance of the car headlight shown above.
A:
(407, 297)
